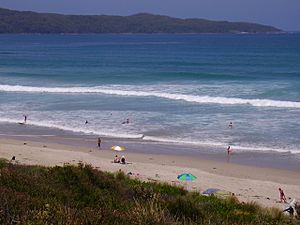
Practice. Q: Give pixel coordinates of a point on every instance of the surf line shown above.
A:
(181, 97)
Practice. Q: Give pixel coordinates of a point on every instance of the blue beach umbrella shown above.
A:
(186, 176)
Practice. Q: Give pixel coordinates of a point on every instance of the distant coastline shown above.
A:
(27, 22)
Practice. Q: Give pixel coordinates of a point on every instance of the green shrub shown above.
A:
(3, 163)
(83, 195)
(184, 207)
(297, 207)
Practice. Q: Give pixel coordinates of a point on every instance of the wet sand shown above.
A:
(263, 159)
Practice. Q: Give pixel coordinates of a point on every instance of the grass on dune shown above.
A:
(83, 195)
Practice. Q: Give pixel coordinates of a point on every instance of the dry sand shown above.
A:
(248, 183)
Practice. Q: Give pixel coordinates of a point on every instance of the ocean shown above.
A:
(175, 89)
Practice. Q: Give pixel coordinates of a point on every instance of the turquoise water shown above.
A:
(182, 89)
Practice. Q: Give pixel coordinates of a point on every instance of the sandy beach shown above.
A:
(249, 183)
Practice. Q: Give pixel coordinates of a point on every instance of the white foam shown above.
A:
(221, 145)
(181, 97)
(217, 145)
(178, 141)
(77, 129)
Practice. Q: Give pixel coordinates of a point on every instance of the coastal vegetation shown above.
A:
(84, 195)
(12, 21)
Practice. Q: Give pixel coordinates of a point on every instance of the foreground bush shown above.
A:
(83, 195)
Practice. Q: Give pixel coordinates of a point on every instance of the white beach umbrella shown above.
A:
(117, 148)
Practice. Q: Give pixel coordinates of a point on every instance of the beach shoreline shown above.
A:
(249, 183)
(262, 159)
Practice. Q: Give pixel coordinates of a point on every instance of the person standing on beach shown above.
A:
(230, 125)
(25, 118)
(229, 150)
(282, 195)
(99, 142)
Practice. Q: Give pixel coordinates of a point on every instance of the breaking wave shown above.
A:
(179, 97)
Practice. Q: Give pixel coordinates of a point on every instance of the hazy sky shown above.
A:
(284, 14)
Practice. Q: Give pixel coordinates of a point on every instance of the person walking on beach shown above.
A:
(99, 142)
(281, 195)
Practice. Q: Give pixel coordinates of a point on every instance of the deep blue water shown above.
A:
(172, 88)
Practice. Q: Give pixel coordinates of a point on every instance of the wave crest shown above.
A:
(180, 97)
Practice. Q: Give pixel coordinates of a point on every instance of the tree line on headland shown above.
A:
(12, 21)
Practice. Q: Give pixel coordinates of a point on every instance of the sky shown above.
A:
(283, 14)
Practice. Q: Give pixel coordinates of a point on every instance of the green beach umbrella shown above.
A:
(186, 176)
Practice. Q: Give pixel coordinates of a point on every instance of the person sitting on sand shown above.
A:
(117, 159)
(281, 195)
(291, 207)
(233, 197)
(123, 161)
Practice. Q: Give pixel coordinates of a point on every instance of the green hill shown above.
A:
(83, 195)
(12, 21)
